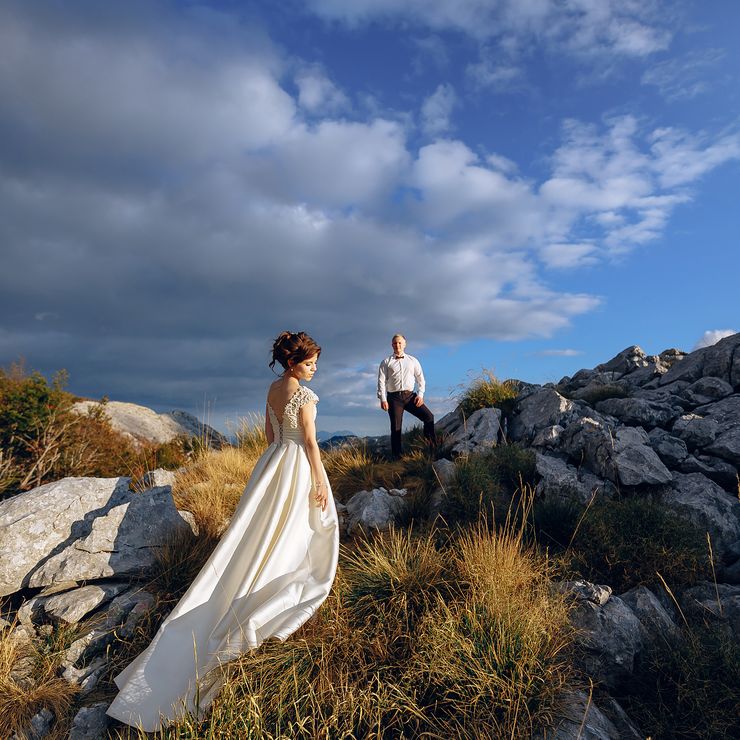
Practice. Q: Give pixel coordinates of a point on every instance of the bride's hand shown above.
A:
(320, 495)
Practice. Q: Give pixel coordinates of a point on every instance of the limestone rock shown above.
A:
(71, 606)
(611, 638)
(155, 479)
(629, 359)
(564, 482)
(655, 620)
(110, 535)
(39, 727)
(45, 520)
(90, 723)
(706, 390)
(640, 411)
(542, 408)
(721, 360)
(580, 719)
(142, 423)
(707, 506)
(444, 470)
(585, 591)
(715, 602)
(713, 467)
(479, 431)
(548, 437)
(671, 450)
(696, 430)
(376, 509)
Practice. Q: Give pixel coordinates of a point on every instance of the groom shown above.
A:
(396, 376)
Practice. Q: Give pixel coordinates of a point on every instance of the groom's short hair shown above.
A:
(398, 335)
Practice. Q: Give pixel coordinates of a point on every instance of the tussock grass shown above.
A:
(487, 391)
(421, 636)
(212, 485)
(29, 682)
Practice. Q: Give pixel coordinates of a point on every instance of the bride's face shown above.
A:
(305, 369)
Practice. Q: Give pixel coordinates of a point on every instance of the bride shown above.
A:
(271, 570)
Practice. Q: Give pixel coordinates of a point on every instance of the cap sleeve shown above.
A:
(308, 396)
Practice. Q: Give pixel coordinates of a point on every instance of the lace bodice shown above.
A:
(290, 427)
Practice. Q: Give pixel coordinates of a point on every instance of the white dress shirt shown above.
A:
(399, 374)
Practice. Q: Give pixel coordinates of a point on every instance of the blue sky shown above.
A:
(527, 186)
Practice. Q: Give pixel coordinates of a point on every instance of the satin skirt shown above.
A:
(271, 570)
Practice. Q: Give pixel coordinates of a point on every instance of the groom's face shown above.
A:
(398, 344)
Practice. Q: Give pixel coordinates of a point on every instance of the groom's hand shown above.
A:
(419, 400)
(384, 405)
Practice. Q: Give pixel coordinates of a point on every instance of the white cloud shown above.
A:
(568, 255)
(560, 352)
(684, 78)
(318, 94)
(712, 336)
(499, 77)
(592, 27)
(437, 109)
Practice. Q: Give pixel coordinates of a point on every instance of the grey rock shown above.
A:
(655, 620)
(718, 361)
(548, 437)
(117, 617)
(444, 470)
(141, 423)
(730, 573)
(479, 431)
(629, 359)
(610, 639)
(579, 719)
(39, 727)
(707, 506)
(118, 539)
(564, 482)
(727, 445)
(90, 723)
(155, 479)
(640, 411)
(542, 408)
(31, 612)
(637, 463)
(626, 728)
(696, 430)
(706, 390)
(584, 591)
(671, 450)
(376, 509)
(71, 606)
(341, 517)
(47, 519)
(86, 677)
(714, 468)
(450, 422)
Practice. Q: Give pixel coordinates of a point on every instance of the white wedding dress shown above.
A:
(271, 570)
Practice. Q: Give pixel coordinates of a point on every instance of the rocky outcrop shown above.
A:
(142, 423)
(375, 509)
(82, 529)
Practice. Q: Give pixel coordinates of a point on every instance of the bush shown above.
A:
(626, 542)
(489, 392)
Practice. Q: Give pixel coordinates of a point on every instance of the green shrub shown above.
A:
(626, 542)
(489, 392)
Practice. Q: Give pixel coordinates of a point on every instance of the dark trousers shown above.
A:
(400, 401)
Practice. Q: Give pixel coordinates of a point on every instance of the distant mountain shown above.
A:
(323, 436)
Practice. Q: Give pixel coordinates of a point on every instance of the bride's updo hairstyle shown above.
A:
(289, 349)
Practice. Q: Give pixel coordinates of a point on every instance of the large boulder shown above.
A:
(655, 620)
(726, 414)
(544, 407)
(610, 638)
(696, 430)
(640, 411)
(564, 482)
(708, 506)
(80, 529)
(671, 450)
(721, 360)
(579, 718)
(479, 431)
(142, 423)
(622, 456)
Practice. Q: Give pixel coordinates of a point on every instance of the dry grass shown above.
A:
(487, 391)
(29, 682)
(422, 636)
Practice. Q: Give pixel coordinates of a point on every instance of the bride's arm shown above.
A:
(269, 433)
(320, 488)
